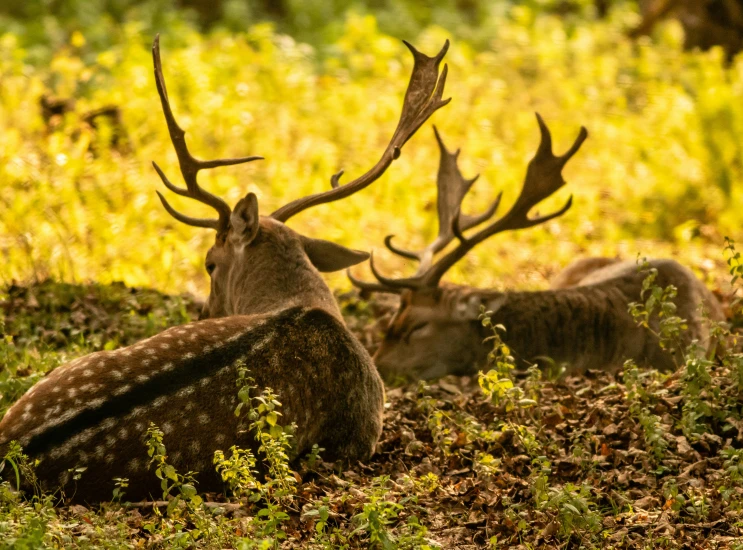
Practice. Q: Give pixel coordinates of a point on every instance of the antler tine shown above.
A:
(401, 284)
(422, 98)
(189, 165)
(409, 254)
(543, 178)
(452, 188)
(371, 287)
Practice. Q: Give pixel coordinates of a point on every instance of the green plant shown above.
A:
(657, 302)
(184, 485)
(496, 383)
(575, 511)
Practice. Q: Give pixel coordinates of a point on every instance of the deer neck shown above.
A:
(262, 288)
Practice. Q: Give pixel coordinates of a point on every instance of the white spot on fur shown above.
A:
(72, 392)
(167, 427)
(185, 392)
(203, 418)
(108, 423)
(116, 374)
(189, 355)
(167, 367)
(219, 438)
(122, 389)
(134, 465)
(195, 447)
(87, 373)
(142, 378)
(159, 402)
(123, 433)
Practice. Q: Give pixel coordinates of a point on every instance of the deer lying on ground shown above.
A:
(268, 309)
(582, 323)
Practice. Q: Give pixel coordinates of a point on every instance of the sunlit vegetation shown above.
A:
(661, 172)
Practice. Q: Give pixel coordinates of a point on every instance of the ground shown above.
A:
(632, 460)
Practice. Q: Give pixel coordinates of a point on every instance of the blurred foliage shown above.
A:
(45, 24)
(662, 171)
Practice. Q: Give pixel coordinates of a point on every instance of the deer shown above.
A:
(268, 309)
(581, 322)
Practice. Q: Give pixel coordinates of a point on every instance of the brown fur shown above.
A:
(436, 332)
(284, 324)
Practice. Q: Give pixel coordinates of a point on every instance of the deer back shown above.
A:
(94, 411)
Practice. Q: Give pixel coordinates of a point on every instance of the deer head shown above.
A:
(249, 259)
(432, 332)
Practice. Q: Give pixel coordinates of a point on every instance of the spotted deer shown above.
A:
(268, 309)
(581, 322)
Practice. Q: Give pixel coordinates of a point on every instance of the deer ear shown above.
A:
(327, 256)
(244, 219)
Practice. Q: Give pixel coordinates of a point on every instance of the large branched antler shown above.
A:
(422, 99)
(452, 187)
(543, 178)
(190, 166)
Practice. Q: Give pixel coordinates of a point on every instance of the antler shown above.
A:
(189, 165)
(452, 187)
(422, 99)
(543, 178)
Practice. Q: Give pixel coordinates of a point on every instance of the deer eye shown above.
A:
(417, 330)
(210, 267)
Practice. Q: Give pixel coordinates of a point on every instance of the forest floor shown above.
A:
(635, 459)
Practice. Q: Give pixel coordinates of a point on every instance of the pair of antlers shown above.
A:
(543, 178)
(423, 97)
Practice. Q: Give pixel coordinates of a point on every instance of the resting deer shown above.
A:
(583, 323)
(268, 309)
